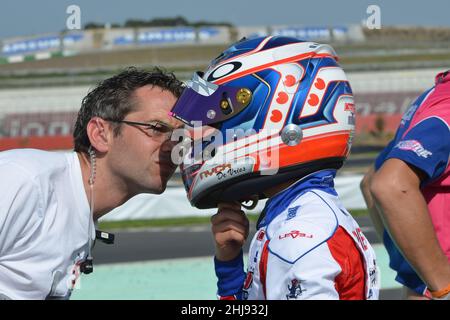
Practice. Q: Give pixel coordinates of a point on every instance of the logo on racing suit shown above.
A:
(295, 234)
(408, 114)
(361, 239)
(247, 284)
(295, 289)
(350, 107)
(292, 212)
(373, 278)
(260, 236)
(415, 146)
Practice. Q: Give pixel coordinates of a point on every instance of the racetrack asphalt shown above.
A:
(186, 242)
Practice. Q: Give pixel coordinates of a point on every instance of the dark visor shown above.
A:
(209, 103)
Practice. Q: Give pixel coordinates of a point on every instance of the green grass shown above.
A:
(179, 222)
(166, 222)
(156, 223)
(359, 212)
(29, 58)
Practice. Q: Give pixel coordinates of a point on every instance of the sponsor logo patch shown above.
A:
(247, 284)
(415, 146)
(409, 114)
(260, 236)
(295, 234)
(295, 289)
(349, 107)
(361, 239)
(215, 170)
(292, 212)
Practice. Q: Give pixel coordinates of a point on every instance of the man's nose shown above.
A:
(168, 145)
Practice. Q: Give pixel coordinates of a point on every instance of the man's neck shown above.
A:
(108, 194)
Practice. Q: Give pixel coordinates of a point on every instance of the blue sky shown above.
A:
(20, 17)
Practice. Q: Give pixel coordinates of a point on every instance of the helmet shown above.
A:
(294, 104)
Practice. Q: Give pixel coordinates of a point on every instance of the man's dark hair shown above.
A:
(112, 99)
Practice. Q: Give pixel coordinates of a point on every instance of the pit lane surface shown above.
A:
(163, 250)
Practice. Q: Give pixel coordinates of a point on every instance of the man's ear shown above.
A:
(100, 134)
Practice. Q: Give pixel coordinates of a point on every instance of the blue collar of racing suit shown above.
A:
(322, 180)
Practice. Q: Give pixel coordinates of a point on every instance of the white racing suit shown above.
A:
(307, 246)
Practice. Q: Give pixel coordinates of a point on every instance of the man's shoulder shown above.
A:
(32, 162)
(437, 104)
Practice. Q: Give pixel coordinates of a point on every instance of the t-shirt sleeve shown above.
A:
(426, 146)
(19, 207)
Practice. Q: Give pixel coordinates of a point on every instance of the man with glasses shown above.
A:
(49, 201)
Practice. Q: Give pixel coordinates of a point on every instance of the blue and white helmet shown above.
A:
(292, 100)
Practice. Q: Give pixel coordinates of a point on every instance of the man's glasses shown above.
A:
(154, 129)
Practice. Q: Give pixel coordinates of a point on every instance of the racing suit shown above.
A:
(307, 246)
(423, 140)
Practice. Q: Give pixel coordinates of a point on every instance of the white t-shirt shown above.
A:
(44, 224)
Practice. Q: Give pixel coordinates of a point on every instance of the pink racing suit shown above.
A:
(423, 140)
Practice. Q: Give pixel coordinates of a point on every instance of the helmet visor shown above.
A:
(209, 103)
